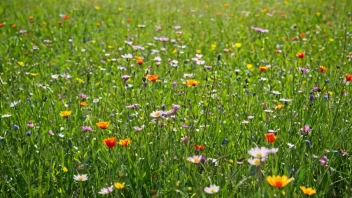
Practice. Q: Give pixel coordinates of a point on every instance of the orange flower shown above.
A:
(302, 35)
(1, 24)
(270, 137)
(140, 62)
(125, 142)
(199, 147)
(83, 104)
(14, 25)
(110, 142)
(308, 191)
(31, 18)
(322, 68)
(65, 114)
(263, 68)
(348, 77)
(300, 54)
(294, 38)
(103, 125)
(191, 83)
(59, 22)
(65, 17)
(152, 78)
(278, 181)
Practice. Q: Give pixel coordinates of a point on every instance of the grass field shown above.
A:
(175, 98)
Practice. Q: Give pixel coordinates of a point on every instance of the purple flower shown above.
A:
(86, 128)
(174, 84)
(259, 29)
(303, 70)
(306, 129)
(30, 124)
(125, 78)
(324, 160)
(83, 96)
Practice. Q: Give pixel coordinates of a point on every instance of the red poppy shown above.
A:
(140, 62)
(199, 147)
(300, 54)
(323, 69)
(110, 142)
(348, 77)
(270, 137)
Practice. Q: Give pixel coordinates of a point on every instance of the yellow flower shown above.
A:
(213, 46)
(279, 106)
(79, 80)
(264, 10)
(110, 46)
(238, 45)
(20, 64)
(308, 191)
(198, 51)
(249, 66)
(231, 161)
(64, 169)
(318, 13)
(65, 114)
(226, 5)
(120, 9)
(174, 51)
(97, 7)
(33, 74)
(331, 40)
(119, 186)
(191, 83)
(278, 181)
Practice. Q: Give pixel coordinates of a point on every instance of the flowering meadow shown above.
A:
(175, 98)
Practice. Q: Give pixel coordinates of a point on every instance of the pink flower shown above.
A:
(306, 129)
(324, 160)
(259, 29)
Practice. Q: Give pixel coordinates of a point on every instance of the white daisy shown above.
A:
(106, 190)
(80, 178)
(195, 159)
(212, 189)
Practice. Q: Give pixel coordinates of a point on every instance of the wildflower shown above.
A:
(254, 161)
(308, 191)
(83, 104)
(191, 83)
(196, 159)
(64, 169)
(140, 62)
(270, 137)
(127, 56)
(306, 129)
(86, 128)
(300, 55)
(97, 7)
(156, 114)
(324, 160)
(125, 142)
(119, 186)
(106, 190)
(110, 142)
(20, 63)
(152, 78)
(28, 133)
(348, 77)
(15, 127)
(125, 78)
(65, 114)
(212, 189)
(238, 45)
(199, 147)
(80, 178)
(279, 106)
(103, 125)
(259, 29)
(322, 69)
(263, 68)
(249, 66)
(261, 152)
(278, 181)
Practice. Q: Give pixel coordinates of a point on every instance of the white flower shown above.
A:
(12, 104)
(255, 161)
(106, 190)
(285, 100)
(156, 114)
(6, 115)
(261, 152)
(127, 56)
(195, 159)
(212, 189)
(80, 177)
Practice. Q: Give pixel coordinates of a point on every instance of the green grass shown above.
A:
(89, 46)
